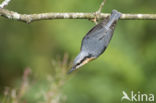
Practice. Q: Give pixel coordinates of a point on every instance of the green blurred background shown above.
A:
(129, 63)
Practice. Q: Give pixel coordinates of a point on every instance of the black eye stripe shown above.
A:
(84, 59)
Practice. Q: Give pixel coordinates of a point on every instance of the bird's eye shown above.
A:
(86, 57)
(78, 63)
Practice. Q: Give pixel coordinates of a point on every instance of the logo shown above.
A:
(137, 97)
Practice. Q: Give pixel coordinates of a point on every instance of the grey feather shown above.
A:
(98, 38)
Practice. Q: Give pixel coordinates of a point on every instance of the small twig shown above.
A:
(4, 3)
(97, 13)
(25, 82)
(101, 6)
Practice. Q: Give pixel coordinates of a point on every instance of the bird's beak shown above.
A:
(72, 69)
(83, 63)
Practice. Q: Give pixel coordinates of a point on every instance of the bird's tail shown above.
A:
(113, 18)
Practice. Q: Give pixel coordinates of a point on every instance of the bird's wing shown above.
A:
(98, 38)
(125, 96)
(124, 93)
(97, 27)
(93, 32)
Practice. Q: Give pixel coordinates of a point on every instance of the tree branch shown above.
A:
(4, 3)
(27, 18)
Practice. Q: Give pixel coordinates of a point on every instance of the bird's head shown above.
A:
(82, 59)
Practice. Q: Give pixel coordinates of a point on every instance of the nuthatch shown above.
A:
(96, 40)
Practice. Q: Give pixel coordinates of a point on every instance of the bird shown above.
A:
(95, 42)
(125, 96)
